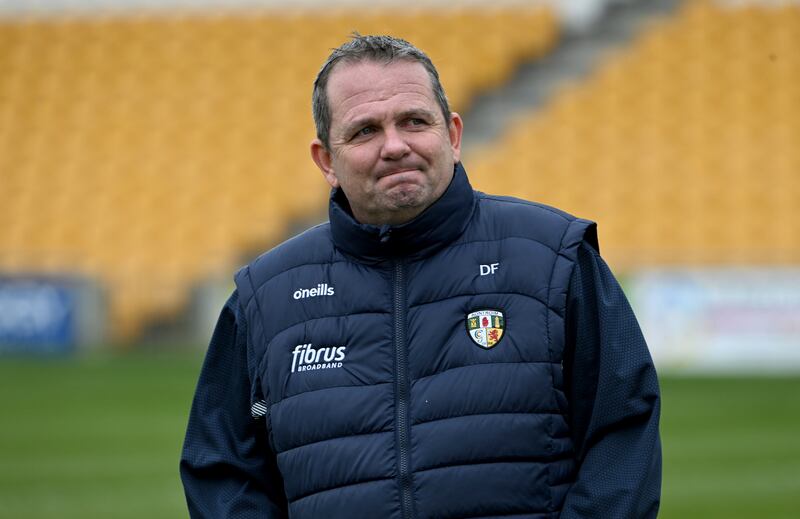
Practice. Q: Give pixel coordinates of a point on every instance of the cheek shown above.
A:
(356, 166)
(435, 147)
(352, 176)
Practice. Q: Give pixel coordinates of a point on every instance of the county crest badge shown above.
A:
(485, 327)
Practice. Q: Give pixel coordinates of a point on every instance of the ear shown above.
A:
(323, 159)
(456, 129)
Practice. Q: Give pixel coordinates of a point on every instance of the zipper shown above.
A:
(402, 392)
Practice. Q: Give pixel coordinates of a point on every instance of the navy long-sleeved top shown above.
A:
(228, 470)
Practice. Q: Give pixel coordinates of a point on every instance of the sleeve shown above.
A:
(613, 397)
(227, 467)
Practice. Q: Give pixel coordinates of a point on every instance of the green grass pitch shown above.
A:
(100, 437)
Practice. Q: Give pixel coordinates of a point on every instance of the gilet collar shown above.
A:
(435, 227)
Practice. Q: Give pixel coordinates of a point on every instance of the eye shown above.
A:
(367, 130)
(416, 123)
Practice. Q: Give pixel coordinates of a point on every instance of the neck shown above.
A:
(431, 228)
(396, 217)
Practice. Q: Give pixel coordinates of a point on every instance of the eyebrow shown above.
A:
(366, 121)
(417, 112)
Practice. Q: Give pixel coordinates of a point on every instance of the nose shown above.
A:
(394, 145)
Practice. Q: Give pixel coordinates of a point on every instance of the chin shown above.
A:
(408, 196)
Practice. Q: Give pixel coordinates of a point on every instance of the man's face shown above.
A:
(391, 150)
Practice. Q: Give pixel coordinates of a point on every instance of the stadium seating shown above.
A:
(154, 152)
(683, 145)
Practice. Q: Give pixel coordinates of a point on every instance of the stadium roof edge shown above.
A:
(49, 8)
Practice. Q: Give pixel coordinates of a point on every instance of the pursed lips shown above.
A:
(396, 172)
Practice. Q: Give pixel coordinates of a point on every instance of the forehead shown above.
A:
(356, 89)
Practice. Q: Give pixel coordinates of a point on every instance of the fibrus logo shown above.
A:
(322, 289)
(306, 358)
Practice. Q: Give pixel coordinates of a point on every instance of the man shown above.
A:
(431, 351)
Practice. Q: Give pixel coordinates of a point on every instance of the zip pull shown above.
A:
(385, 233)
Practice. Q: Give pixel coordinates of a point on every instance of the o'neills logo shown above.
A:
(322, 289)
(306, 358)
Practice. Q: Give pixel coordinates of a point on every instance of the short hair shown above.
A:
(381, 49)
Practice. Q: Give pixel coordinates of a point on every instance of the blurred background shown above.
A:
(148, 149)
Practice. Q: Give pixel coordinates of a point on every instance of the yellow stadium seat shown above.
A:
(682, 146)
(153, 152)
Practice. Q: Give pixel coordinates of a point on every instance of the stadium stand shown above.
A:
(151, 152)
(683, 145)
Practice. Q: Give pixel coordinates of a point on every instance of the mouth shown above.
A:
(397, 172)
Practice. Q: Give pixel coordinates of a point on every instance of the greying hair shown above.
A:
(382, 49)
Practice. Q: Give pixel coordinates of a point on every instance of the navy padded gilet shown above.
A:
(379, 404)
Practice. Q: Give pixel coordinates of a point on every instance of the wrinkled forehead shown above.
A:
(366, 81)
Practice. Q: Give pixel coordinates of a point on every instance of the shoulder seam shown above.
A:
(528, 203)
(510, 237)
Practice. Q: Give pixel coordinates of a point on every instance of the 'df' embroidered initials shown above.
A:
(489, 269)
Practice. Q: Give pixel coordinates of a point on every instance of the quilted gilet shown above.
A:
(415, 371)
